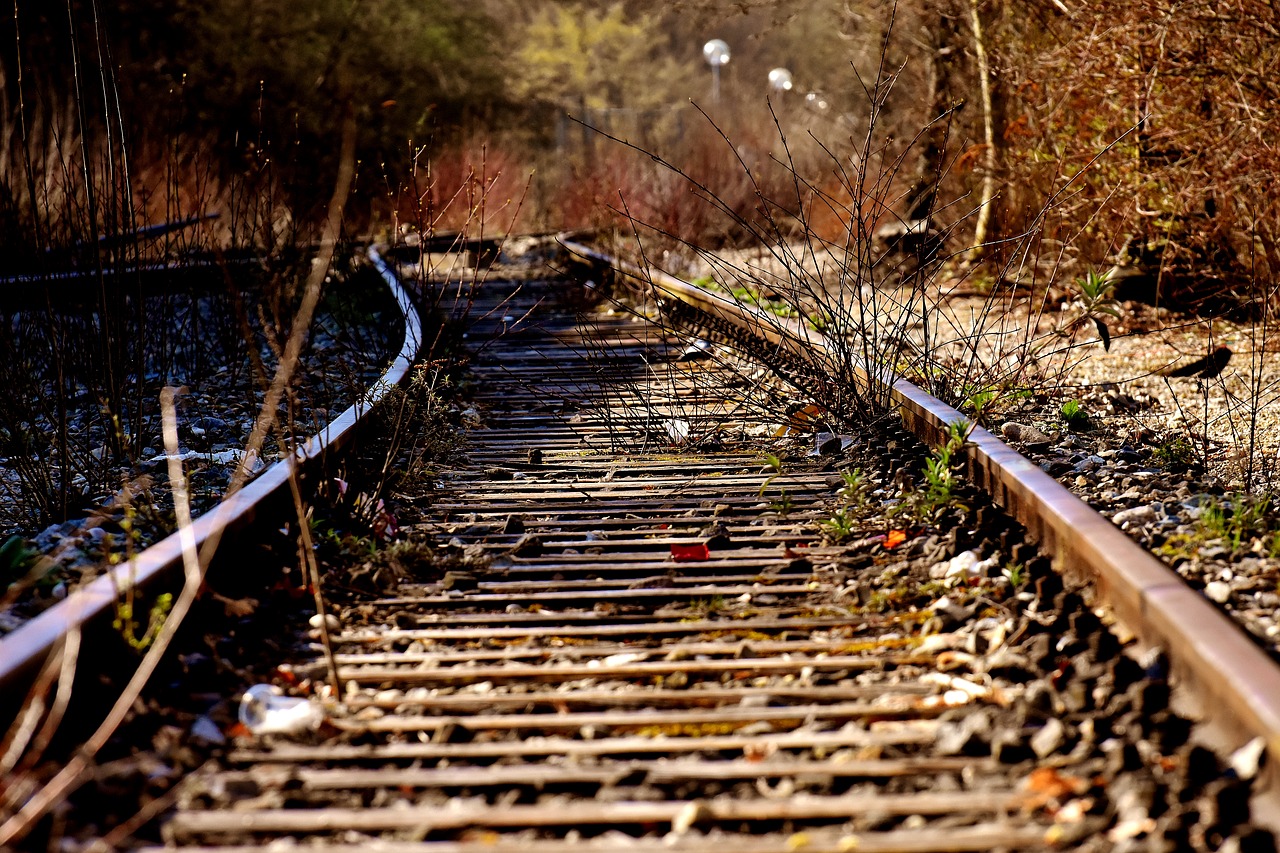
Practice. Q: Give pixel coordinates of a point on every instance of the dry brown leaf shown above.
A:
(237, 608)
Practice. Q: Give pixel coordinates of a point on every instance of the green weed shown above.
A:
(1175, 452)
(980, 402)
(1015, 574)
(1237, 520)
(1074, 416)
(125, 623)
(841, 526)
(16, 560)
(853, 492)
(1097, 299)
(704, 606)
(940, 477)
(851, 501)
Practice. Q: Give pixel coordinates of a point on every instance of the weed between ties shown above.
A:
(941, 478)
(851, 503)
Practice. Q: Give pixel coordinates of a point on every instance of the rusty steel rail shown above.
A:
(23, 650)
(1232, 680)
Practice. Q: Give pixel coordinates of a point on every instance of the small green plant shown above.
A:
(879, 602)
(979, 403)
(853, 491)
(783, 505)
(820, 320)
(983, 282)
(704, 606)
(1097, 299)
(841, 526)
(851, 500)
(940, 478)
(1236, 520)
(1175, 452)
(774, 464)
(128, 626)
(1074, 416)
(16, 560)
(1015, 574)
(939, 470)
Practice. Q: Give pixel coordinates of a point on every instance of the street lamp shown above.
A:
(716, 53)
(780, 80)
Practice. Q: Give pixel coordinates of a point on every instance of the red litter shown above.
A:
(690, 553)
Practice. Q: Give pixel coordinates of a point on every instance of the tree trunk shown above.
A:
(987, 196)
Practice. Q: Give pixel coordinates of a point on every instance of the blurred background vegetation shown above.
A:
(1045, 139)
(1153, 121)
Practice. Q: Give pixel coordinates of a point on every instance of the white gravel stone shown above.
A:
(1247, 760)
(1137, 514)
(328, 620)
(1024, 433)
(1219, 591)
(961, 563)
(1050, 737)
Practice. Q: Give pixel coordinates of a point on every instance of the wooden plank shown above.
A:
(744, 667)
(713, 697)
(752, 482)
(638, 566)
(669, 772)
(545, 616)
(746, 544)
(660, 581)
(540, 490)
(771, 647)
(736, 503)
(643, 626)
(1000, 835)
(730, 558)
(432, 818)
(569, 503)
(915, 734)
(536, 522)
(907, 707)
(590, 597)
(619, 466)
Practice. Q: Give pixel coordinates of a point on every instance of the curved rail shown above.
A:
(1231, 678)
(25, 648)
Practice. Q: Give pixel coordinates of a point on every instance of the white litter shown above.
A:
(265, 710)
(678, 430)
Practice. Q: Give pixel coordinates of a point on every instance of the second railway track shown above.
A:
(642, 642)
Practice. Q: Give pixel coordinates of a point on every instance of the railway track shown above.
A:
(23, 651)
(637, 637)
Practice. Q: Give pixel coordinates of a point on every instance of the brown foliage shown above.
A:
(1186, 93)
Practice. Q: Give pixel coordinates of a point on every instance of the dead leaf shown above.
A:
(1047, 786)
(237, 608)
